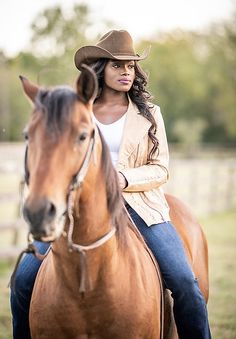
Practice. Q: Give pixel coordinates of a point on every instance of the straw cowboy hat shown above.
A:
(117, 45)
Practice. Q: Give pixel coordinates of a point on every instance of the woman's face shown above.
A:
(119, 75)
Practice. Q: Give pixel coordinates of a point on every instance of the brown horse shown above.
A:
(99, 279)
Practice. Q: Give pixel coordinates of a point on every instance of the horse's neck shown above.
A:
(90, 213)
(91, 216)
(90, 226)
(91, 221)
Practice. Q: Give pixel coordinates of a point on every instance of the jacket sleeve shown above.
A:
(154, 173)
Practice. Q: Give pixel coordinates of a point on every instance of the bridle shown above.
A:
(78, 178)
(76, 183)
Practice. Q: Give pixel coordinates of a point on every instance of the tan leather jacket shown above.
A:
(143, 192)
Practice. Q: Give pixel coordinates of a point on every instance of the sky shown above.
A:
(141, 18)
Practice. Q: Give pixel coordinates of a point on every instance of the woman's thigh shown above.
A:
(27, 271)
(168, 249)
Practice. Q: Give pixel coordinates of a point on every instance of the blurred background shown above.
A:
(192, 77)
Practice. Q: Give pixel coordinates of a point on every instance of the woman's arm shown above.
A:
(153, 174)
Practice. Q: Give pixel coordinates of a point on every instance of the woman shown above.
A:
(134, 131)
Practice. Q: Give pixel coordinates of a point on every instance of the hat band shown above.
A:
(121, 54)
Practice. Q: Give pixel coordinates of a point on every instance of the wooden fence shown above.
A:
(12, 226)
(207, 185)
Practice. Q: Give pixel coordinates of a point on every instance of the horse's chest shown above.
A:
(95, 317)
(108, 311)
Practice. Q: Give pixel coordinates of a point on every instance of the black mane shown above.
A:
(57, 105)
(115, 200)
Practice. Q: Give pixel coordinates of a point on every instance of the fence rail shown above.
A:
(206, 185)
(13, 247)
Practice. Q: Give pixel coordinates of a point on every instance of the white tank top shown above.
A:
(112, 134)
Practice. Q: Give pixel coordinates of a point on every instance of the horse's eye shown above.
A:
(25, 135)
(82, 136)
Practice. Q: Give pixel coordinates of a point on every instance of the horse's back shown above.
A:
(193, 238)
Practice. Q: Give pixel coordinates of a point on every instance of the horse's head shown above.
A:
(59, 136)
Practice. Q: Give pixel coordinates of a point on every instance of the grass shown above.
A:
(221, 235)
(5, 317)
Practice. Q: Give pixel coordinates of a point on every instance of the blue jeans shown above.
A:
(189, 305)
(21, 293)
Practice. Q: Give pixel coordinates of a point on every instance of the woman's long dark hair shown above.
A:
(138, 94)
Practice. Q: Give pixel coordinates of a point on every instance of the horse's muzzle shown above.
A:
(40, 216)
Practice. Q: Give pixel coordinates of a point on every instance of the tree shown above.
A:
(221, 70)
(177, 81)
(55, 33)
(191, 75)
(56, 37)
(193, 78)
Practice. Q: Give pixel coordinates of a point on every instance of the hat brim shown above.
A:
(87, 54)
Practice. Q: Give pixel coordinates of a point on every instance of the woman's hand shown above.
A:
(122, 180)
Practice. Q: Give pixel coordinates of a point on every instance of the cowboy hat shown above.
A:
(117, 45)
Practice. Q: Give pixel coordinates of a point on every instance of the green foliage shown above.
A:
(191, 75)
(44, 66)
(176, 80)
(5, 317)
(220, 67)
(59, 33)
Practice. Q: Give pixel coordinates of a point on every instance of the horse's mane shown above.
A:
(115, 201)
(57, 105)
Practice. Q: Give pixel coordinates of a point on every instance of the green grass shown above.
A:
(5, 317)
(221, 234)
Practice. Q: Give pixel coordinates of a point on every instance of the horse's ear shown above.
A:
(30, 89)
(87, 84)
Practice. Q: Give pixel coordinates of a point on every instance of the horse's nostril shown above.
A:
(51, 210)
(39, 211)
(26, 213)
